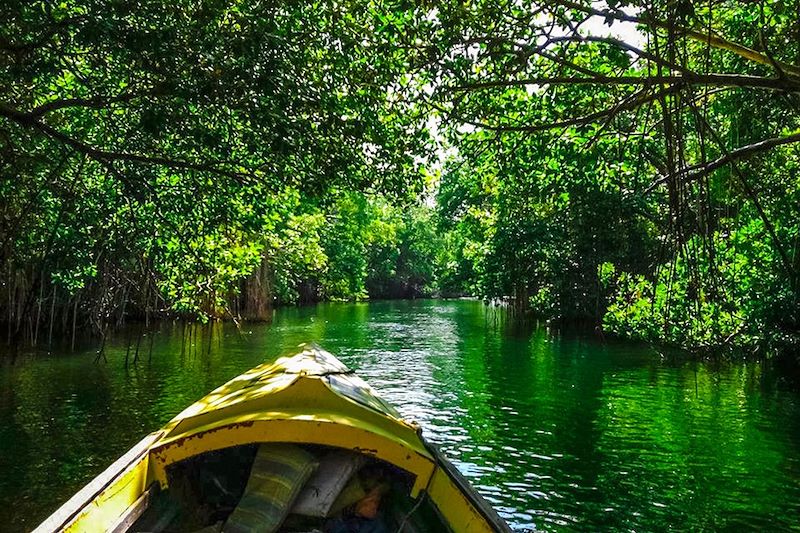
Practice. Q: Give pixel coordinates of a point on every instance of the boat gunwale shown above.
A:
(333, 418)
(70, 511)
(414, 457)
(484, 508)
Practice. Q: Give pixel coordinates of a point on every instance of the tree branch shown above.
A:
(104, 156)
(707, 38)
(619, 44)
(695, 172)
(93, 103)
(716, 80)
(58, 27)
(624, 105)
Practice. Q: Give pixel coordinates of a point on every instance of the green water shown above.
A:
(557, 431)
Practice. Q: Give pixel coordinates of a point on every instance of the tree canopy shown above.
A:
(156, 152)
(632, 165)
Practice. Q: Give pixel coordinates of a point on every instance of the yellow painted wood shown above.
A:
(455, 507)
(298, 429)
(105, 500)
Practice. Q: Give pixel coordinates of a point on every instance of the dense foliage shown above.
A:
(200, 157)
(630, 165)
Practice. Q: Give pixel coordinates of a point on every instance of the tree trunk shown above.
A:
(257, 294)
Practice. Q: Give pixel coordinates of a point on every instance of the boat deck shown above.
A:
(205, 490)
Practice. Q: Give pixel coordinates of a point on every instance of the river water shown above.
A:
(558, 431)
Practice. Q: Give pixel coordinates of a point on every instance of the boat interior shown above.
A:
(281, 487)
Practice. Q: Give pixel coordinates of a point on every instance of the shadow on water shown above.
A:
(558, 429)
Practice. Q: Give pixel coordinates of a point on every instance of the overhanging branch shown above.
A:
(695, 172)
(30, 120)
(714, 80)
(624, 105)
(92, 103)
(707, 38)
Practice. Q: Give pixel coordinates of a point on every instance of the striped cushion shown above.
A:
(279, 472)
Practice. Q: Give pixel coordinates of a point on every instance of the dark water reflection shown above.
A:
(558, 431)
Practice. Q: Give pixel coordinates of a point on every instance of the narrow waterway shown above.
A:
(558, 431)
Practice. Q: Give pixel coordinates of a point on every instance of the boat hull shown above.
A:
(311, 399)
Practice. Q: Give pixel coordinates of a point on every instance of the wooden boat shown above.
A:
(203, 471)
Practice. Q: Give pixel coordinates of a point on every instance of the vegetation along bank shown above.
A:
(633, 166)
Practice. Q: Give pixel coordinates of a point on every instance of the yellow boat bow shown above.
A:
(308, 398)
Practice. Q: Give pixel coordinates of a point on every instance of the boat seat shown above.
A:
(320, 492)
(278, 474)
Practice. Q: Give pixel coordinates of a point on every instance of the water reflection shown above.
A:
(558, 431)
